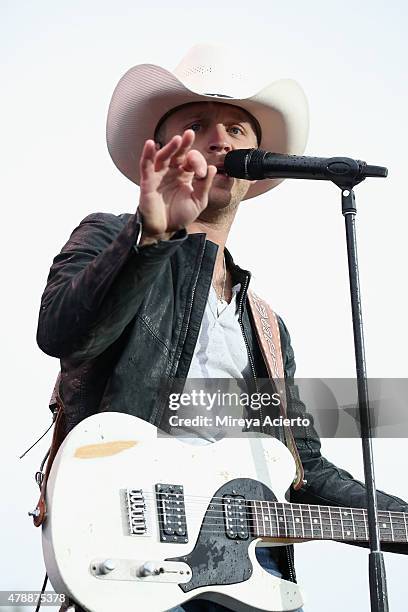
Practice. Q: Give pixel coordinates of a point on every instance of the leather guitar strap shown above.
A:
(267, 331)
(40, 511)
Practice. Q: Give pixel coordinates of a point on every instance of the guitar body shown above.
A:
(141, 522)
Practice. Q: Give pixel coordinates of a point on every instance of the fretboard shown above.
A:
(302, 521)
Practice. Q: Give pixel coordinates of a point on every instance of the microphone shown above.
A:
(255, 164)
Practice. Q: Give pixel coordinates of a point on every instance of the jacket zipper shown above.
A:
(192, 295)
(172, 376)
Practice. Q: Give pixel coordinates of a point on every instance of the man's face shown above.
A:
(219, 128)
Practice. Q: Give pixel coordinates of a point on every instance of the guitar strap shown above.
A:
(40, 511)
(267, 331)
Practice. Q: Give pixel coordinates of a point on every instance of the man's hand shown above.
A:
(174, 186)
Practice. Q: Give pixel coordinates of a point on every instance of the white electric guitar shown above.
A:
(138, 522)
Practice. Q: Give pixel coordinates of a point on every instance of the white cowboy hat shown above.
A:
(207, 73)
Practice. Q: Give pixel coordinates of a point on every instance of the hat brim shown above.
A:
(147, 92)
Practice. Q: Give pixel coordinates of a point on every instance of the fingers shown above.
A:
(173, 153)
(195, 162)
(185, 146)
(147, 158)
(203, 186)
(164, 156)
(153, 160)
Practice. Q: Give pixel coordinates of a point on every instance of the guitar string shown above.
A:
(280, 531)
(287, 533)
(285, 506)
(290, 527)
(287, 512)
(288, 518)
(290, 522)
(343, 525)
(312, 507)
(397, 533)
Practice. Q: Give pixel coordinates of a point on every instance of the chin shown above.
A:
(219, 201)
(218, 206)
(222, 196)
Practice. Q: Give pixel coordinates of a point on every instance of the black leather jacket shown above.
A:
(123, 319)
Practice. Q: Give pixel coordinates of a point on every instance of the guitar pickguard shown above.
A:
(220, 554)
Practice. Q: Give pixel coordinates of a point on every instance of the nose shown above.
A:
(219, 139)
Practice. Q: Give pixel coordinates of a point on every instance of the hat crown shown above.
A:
(212, 69)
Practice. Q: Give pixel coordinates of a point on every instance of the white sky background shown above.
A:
(61, 64)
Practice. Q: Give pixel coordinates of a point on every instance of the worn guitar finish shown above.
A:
(218, 557)
(141, 522)
(110, 525)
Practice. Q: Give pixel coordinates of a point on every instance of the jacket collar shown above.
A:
(239, 275)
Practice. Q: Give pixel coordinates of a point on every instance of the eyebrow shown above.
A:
(235, 116)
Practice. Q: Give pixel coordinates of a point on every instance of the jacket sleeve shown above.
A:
(326, 484)
(96, 285)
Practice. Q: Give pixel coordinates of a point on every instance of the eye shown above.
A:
(195, 126)
(236, 130)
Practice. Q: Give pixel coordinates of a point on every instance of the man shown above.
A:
(137, 299)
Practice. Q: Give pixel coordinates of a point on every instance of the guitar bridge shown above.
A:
(136, 510)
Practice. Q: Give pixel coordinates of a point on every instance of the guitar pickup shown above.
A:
(236, 524)
(171, 513)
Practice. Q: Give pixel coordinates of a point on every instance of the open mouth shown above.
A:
(220, 170)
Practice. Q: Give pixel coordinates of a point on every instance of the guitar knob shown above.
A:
(107, 566)
(147, 569)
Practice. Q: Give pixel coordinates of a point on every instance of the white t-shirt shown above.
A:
(220, 352)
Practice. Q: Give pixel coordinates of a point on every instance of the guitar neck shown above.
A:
(310, 522)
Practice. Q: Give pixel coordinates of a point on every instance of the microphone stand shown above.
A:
(377, 577)
(346, 173)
